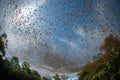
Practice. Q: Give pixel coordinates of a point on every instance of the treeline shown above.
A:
(107, 66)
(10, 68)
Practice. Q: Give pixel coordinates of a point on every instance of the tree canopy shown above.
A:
(107, 67)
(10, 69)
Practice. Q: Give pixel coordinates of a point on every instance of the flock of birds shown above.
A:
(58, 27)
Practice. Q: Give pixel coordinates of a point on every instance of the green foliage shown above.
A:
(2, 46)
(57, 77)
(14, 61)
(44, 78)
(10, 68)
(26, 65)
(4, 35)
(82, 75)
(109, 69)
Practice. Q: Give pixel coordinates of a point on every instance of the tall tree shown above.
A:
(109, 67)
(56, 77)
(2, 46)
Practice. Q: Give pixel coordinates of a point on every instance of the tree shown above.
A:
(36, 75)
(10, 68)
(44, 78)
(56, 77)
(26, 65)
(2, 46)
(64, 77)
(109, 67)
(109, 43)
(15, 62)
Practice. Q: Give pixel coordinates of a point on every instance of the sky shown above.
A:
(58, 36)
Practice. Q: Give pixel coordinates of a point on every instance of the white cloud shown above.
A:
(70, 43)
(80, 32)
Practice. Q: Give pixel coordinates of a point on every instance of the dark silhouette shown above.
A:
(10, 68)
